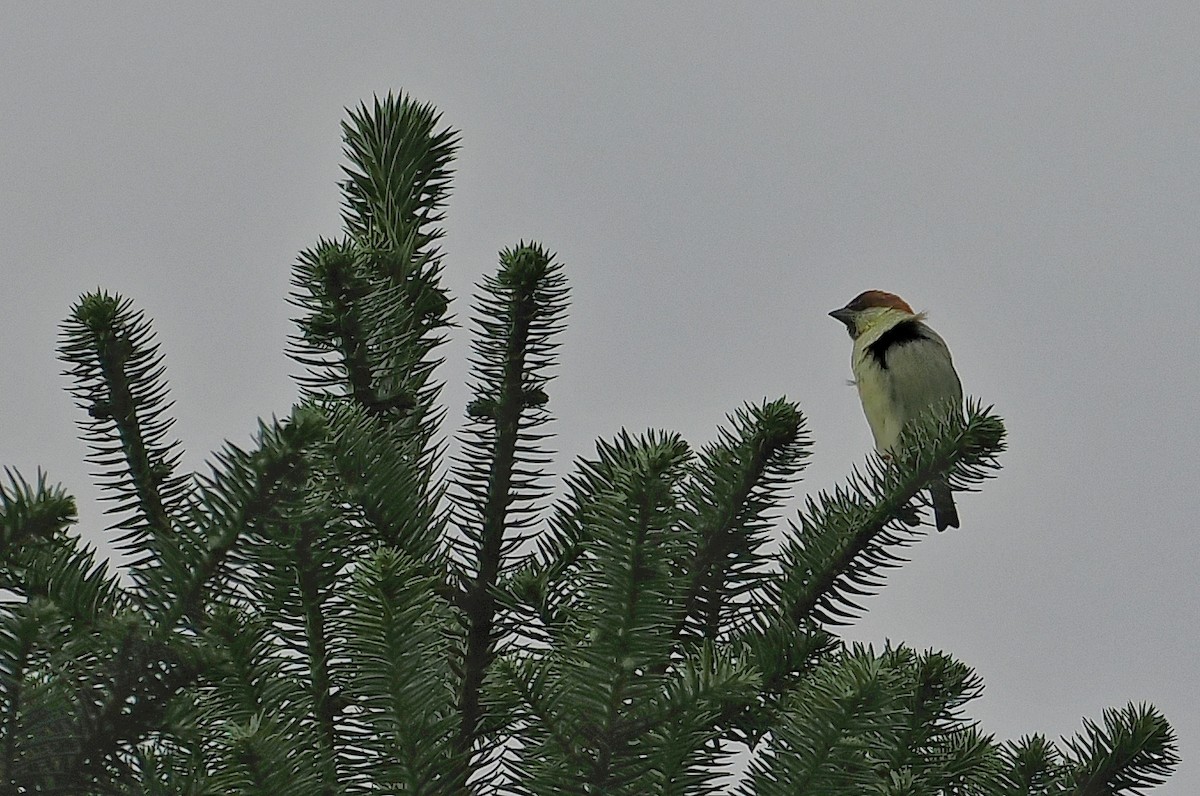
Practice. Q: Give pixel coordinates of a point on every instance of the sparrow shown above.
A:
(902, 369)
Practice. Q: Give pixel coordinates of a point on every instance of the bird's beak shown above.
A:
(844, 315)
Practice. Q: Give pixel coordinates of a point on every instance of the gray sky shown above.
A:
(716, 182)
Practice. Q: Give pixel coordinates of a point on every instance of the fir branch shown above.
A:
(397, 184)
(630, 600)
(31, 511)
(383, 475)
(144, 672)
(66, 576)
(284, 571)
(240, 496)
(361, 334)
(935, 689)
(965, 760)
(313, 591)
(399, 174)
(710, 686)
(255, 709)
(374, 308)
(46, 740)
(400, 725)
(1031, 767)
(783, 652)
(537, 591)
(738, 481)
(1133, 751)
(117, 373)
(20, 629)
(167, 767)
(831, 731)
(545, 726)
(384, 472)
(589, 704)
(334, 344)
(62, 656)
(844, 542)
(936, 747)
(263, 759)
(498, 485)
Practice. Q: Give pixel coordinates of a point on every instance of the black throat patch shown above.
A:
(901, 334)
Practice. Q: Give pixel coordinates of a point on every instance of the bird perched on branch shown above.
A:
(902, 369)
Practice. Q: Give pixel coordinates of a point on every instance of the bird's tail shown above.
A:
(945, 514)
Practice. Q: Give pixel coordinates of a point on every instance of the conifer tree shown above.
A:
(338, 610)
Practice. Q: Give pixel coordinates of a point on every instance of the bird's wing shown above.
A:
(923, 376)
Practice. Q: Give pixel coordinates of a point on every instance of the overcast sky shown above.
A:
(716, 182)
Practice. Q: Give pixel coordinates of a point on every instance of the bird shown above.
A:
(903, 370)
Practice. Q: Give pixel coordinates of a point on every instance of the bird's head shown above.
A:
(870, 308)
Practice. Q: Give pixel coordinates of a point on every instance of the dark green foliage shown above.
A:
(520, 311)
(399, 174)
(738, 482)
(611, 706)
(843, 542)
(388, 650)
(833, 726)
(1032, 765)
(336, 611)
(1133, 751)
(117, 377)
(32, 512)
(498, 477)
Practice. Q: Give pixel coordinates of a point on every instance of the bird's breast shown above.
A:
(876, 392)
